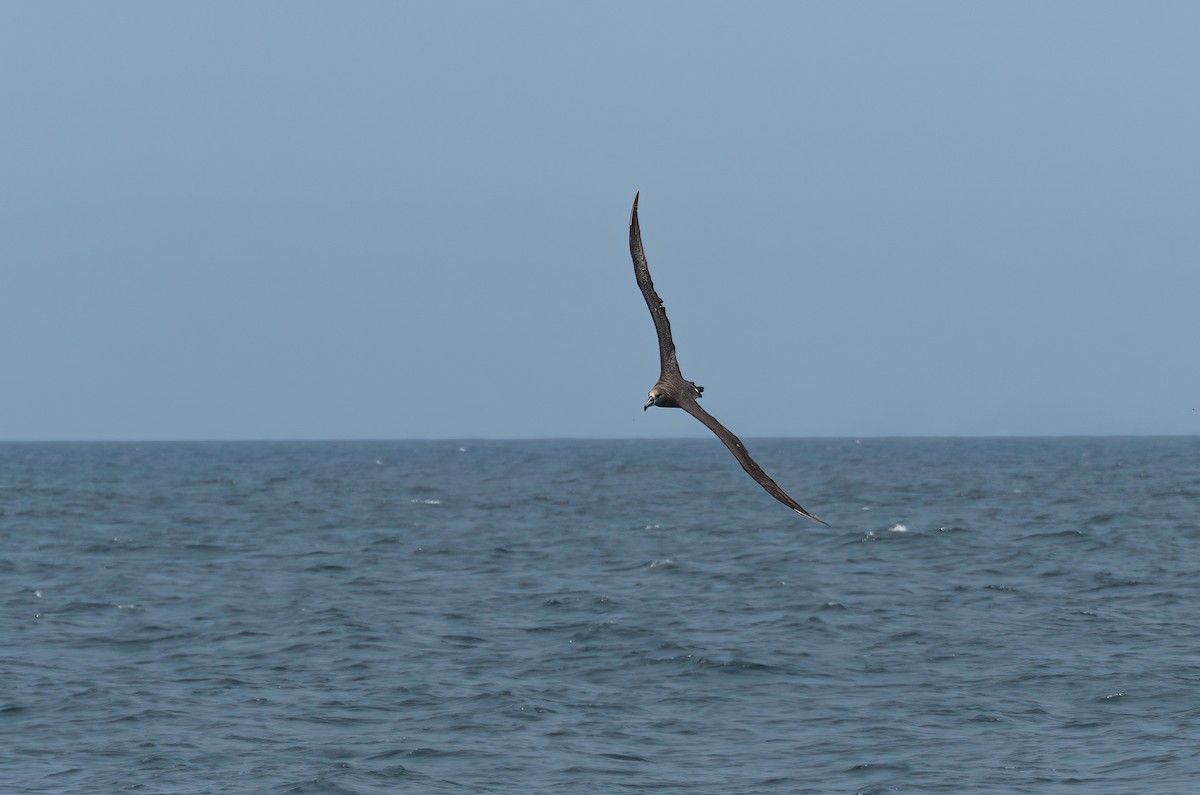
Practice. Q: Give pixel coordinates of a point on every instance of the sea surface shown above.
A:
(983, 616)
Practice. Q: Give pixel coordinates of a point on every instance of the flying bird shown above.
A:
(673, 390)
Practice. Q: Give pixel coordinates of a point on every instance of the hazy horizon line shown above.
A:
(478, 439)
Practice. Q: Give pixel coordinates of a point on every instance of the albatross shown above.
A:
(676, 392)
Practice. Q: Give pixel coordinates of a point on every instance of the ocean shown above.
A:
(1008, 615)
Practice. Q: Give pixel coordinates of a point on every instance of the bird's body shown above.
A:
(675, 391)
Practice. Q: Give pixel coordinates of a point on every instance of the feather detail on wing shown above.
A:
(739, 452)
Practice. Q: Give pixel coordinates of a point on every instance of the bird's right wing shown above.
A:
(666, 344)
(739, 452)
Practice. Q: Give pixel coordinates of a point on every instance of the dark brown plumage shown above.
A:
(673, 390)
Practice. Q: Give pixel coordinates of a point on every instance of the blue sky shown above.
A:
(397, 220)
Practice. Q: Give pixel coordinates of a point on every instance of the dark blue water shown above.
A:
(999, 615)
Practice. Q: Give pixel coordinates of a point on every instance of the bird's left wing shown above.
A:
(668, 364)
(739, 452)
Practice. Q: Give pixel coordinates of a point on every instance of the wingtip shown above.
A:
(636, 196)
(813, 517)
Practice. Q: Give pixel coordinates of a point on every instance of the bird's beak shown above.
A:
(649, 403)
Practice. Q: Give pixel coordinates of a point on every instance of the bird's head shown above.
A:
(652, 398)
